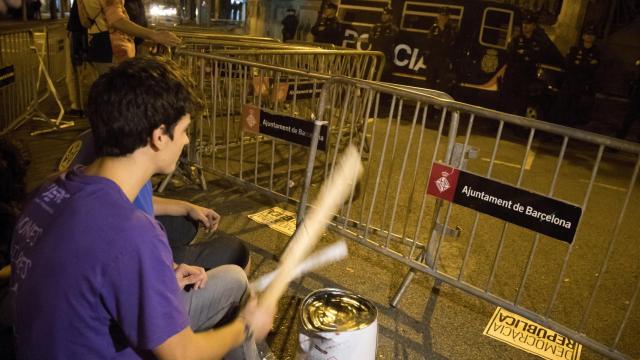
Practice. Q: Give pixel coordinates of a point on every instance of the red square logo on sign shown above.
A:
(443, 181)
(251, 118)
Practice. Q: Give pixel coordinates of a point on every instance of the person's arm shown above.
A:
(209, 218)
(115, 16)
(161, 37)
(214, 344)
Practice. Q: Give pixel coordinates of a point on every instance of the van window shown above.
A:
(497, 25)
(420, 16)
(358, 15)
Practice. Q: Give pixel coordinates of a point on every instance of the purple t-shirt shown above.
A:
(92, 275)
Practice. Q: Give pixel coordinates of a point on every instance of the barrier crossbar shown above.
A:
(358, 64)
(366, 65)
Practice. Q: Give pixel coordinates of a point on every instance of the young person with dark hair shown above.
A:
(93, 275)
(180, 219)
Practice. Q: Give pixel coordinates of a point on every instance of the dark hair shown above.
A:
(130, 101)
(13, 171)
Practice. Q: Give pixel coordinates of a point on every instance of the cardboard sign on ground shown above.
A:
(278, 219)
(526, 335)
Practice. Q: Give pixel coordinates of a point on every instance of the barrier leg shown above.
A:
(203, 180)
(195, 177)
(427, 257)
(165, 181)
(302, 207)
(57, 123)
(403, 287)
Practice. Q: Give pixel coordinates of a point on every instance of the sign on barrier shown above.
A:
(283, 127)
(539, 213)
(533, 338)
(7, 76)
(304, 90)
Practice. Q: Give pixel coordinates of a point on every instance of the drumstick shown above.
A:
(332, 253)
(332, 194)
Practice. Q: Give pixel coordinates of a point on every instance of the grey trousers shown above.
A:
(218, 303)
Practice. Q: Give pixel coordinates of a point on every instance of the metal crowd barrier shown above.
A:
(219, 144)
(366, 65)
(208, 46)
(194, 32)
(18, 75)
(358, 64)
(55, 51)
(24, 76)
(586, 290)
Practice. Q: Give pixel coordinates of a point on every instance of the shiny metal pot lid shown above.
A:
(335, 310)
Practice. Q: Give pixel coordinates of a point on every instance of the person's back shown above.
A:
(77, 269)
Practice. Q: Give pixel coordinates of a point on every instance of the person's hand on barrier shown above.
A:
(209, 218)
(166, 38)
(258, 317)
(190, 275)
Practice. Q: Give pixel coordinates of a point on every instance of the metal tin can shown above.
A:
(337, 324)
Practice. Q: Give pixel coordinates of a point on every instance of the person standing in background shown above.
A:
(328, 28)
(577, 94)
(633, 114)
(383, 38)
(53, 8)
(441, 41)
(523, 53)
(289, 25)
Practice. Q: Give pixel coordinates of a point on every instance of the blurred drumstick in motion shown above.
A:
(332, 195)
(332, 253)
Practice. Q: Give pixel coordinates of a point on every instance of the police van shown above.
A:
(484, 31)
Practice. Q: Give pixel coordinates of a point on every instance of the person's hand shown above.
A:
(165, 38)
(209, 218)
(190, 275)
(259, 318)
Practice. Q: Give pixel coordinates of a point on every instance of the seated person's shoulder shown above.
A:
(105, 211)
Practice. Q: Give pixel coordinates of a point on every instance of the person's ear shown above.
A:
(159, 138)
